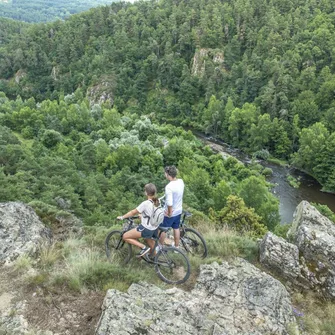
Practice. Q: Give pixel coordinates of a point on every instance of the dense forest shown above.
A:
(46, 10)
(258, 74)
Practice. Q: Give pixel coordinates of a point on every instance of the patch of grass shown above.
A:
(318, 317)
(72, 244)
(49, 255)
(277, 161)
(23, 263)
(96, 235)
(87, 268)
(227, 243)
(41, 279)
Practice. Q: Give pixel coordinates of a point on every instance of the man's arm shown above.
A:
(168, 201)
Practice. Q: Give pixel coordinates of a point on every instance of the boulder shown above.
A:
(280, 255)
(310, 259)
(233, 298)
(21, 230)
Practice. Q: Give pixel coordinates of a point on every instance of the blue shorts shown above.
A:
(146, 233)
(173, 222)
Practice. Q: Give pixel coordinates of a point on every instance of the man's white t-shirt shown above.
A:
(146, 208)
(174, 192)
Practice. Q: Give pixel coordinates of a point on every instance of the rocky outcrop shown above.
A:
(233, 298)
(19, 75)
(102, 92)
(280, 255)
(203, 57)
(21, 231)
(310, 260)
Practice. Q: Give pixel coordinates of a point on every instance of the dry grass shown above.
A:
(22, 264)
(315, 317)
(49, 254)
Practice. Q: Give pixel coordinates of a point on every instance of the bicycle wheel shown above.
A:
(193, 243)
(117, 250)
(172, 265)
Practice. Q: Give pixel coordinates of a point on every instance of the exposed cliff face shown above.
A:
(234, 298)
(204, 57)
(102, 92)
(310, 260)
(20, 230)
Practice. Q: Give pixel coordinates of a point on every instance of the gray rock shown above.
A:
(314, 234)
(310, 261)
(280, 255)
(232, 298)
(21, 230)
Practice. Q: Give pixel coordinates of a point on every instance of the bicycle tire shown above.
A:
(194, 243)
(121, 255)
(172, 265)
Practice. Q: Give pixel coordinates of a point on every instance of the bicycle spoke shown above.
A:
(172, 265)
(193, 243)
(117, 251)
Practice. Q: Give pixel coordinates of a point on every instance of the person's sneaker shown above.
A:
(143, 252)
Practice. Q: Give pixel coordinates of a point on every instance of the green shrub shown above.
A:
(262, 154)
(281, 230)
(293, 181)
(267, 172)
(325, 210)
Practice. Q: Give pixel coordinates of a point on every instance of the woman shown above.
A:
(145, 229)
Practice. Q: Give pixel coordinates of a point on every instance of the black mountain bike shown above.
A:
(171, 264)
(190, 239)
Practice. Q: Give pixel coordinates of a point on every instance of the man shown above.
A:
(174, 192)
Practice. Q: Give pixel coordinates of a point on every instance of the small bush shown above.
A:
(267, 172)
(293, 181)
(281, 230)
(262, 154)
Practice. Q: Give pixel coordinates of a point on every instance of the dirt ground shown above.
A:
(62, 312)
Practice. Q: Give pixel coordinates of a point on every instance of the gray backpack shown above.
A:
(157, 216)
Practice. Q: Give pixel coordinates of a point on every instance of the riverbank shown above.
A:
(289, 197)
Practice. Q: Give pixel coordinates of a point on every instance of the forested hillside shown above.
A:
(45, 10)
(94, 162)
(258, 74)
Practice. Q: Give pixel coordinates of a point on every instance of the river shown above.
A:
(289, 197)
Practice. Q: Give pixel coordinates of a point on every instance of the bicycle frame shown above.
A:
(171, 264)
(128, 226)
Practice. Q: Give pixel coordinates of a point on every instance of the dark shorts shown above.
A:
(173, 221)
(146, 233)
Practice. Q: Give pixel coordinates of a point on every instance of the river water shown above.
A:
(289, 197)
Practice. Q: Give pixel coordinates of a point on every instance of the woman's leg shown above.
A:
(132, 236)
(151, 244)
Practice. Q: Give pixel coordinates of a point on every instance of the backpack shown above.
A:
(157, 216)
